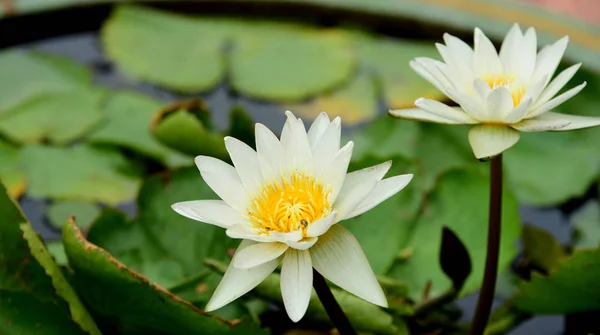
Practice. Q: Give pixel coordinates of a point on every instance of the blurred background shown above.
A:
(104, 104)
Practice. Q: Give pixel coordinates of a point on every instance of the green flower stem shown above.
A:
(486, 294)
(333, 309)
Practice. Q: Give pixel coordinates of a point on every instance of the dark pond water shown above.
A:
(85, 49)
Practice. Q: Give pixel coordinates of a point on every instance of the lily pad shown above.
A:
(129, 298)
(388, 59)
(79, 173)
(181, 53)
(58, 117)
(129, 116)
(288, 63)
(84, 213)
(10, 173)
(541, 248)
(460, 201)
(355, 102)
(586, 222)
(28, 303)
(26, 75)
(386, 137)
(570, 288)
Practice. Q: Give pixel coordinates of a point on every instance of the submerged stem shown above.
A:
(486, 294)
(333, 309)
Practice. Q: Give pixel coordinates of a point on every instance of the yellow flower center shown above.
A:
(507, 80)
(291, 203)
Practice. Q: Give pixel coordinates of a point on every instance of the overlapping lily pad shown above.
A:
(10, 173)
(84, 212)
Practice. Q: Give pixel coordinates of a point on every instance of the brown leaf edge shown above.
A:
(140, 278)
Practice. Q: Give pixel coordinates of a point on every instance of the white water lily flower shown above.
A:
(501, 93)
(284, 200)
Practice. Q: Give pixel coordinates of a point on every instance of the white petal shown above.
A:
(420, 69)
(499, 103)
(317, 129)
(462, 55)
(246, 163)
(259, 253)
(536, 89)
(433, 67)
(510, 49)
(237, 282)
(488, 141)
(224, 180)
(485, 58)
(557, 84)
(527, 56)
(215, 212)
(422, 115)
(304, 243)
(444, 111)
(556, 101)
(270, 154)
(328, 144)
(338, 257)
(296, 283)
(293, 236)
(357, 186)
(482, 90)
(519, 112)
(550, 121)
(334, 172)
(548, 59)
(320, 226)
(470, 105)
(244, 231)
(384, 190)
(457, 63)
(298, 152)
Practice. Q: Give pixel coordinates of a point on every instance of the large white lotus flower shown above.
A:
(283, 200)
(502, 93)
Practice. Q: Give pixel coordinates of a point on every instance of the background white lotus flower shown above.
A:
(283, 200)
(502, 93)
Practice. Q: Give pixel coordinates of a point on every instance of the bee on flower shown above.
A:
(283, 201)
(501, 93)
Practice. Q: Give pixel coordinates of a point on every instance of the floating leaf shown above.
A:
(460, 202)
(288, 63)
(78, 311)
(120, 294)
(57, 250)
(84, 213)
(570, 288)
(541, 248)
(388, 59)
(386, 137)
(27, 296)
(363, 315)
(167, 49)
(10, 173)
(79, 173)
(129, 116)
(186, 131)
(586, 222)
(27, 75)
(355, 102)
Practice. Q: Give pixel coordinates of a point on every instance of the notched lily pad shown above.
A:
(118, 293)
(79, 173)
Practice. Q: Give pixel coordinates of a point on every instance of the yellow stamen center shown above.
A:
(507, 80)
(289, 204)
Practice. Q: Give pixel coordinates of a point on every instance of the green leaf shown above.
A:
(290, 63)
(28, 75)
(570, 288)
(28, 304)
(58, 117)
(116, 292)
(10, 173)
(541, 248)
(146, 43)
(460, 202)
(386, 137)
(129, 117)
(586, 222)
(78, 173)
(364, 316)
(355, 102)
(84, 213)
(241, 125)
(78, 312)
(57, 250)
(184, 130)
(388, 59)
